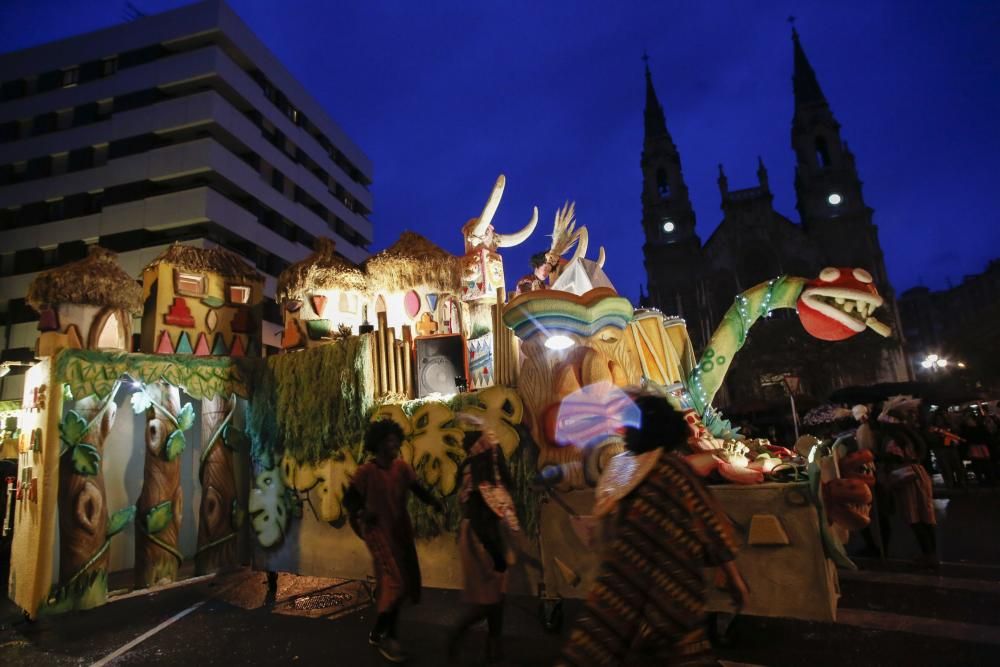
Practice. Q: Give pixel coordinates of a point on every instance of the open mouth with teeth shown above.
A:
(848, 503)
(841, 304)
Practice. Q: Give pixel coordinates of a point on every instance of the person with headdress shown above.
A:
(647, 605)
(902, 451)
(539, 276)
(483, 478)
(376, 504)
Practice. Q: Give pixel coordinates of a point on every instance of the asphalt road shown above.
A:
(889, 614)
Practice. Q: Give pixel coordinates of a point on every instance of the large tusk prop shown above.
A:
(600, 258)
(486, 217)
(582, 241)
(878, 327)
(517, 238)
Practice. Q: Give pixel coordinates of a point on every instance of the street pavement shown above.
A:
(889, 614)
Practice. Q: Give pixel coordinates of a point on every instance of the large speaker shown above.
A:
(442, 364)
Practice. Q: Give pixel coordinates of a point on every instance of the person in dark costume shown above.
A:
(376, 505)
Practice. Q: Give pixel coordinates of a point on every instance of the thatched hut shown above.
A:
(319, 296)
(88, 303)
(201, 301)
(416, 282)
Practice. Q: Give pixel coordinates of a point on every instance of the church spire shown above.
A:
(804, 83)
(656, 125)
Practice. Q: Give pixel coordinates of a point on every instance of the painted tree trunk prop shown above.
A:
(160, 503)
(217, 532)
(83, 513)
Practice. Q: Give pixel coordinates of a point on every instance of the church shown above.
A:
(698, 281)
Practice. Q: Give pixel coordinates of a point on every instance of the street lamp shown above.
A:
(933, 362)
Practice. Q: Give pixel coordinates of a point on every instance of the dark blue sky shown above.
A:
(443, 96)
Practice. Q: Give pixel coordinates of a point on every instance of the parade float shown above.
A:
(197, 454)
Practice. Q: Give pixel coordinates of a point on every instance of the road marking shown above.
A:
(146, 635)
(926, 580)
(933, 627)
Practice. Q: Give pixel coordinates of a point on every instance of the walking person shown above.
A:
(647, 605)
(376, 504)
(481, 544)
(902, 451)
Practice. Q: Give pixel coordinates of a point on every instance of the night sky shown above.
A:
(445, 96)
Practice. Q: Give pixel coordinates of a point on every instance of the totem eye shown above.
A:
(829, 274)
(862, 276)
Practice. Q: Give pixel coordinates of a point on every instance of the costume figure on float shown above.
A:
(647, 605)
(376, 502)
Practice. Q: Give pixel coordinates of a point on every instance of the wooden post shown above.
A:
(216, 534)
(408, 362)
(382, 365)
(83, 512)
(390, 357)
(156, 555)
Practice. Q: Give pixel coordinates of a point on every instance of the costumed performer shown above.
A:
(481, 544)
(376, 505)
(647, 605)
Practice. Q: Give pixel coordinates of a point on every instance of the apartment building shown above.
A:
(180, 126)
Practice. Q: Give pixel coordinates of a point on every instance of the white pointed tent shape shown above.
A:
(580, 276)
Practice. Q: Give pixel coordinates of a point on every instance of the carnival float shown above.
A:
(197, 454)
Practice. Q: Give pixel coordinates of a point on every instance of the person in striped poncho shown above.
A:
(647, 606)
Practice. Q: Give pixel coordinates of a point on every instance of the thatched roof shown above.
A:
(322, 270)
(95, 280)
(413, 261)
(216, 260)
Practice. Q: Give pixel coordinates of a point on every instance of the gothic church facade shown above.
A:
(753, 243)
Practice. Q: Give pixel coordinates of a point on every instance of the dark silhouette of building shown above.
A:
(960, 324)
(754, 243)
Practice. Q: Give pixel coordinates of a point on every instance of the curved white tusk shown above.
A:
(517, 238)
(582, 241)
(486, 217)
(600, 258)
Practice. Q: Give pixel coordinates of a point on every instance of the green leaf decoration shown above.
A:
(175, 444)
(67, 393)
(159, 517)
(72, 428)
(233, 438)
(86, 459)
(120, 519)
(140, 401)
(185, 418)
(213, 301)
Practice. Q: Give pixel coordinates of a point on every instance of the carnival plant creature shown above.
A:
(837, 305)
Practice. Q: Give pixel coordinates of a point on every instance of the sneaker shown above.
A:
(391, 650)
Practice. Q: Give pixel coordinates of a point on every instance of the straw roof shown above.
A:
(95, 280)
(216, 260)
(413, 261)
(322, 270)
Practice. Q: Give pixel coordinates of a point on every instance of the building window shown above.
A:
(662, 183)
(189, 284)
(70, 77)
(822, 153)
(239, 294)
(109, 66)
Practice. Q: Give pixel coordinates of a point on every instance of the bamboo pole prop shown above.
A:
(216, 533)
(408, 361)
(398, 350)
(380, 338)
(390, 347)
(160, 505)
